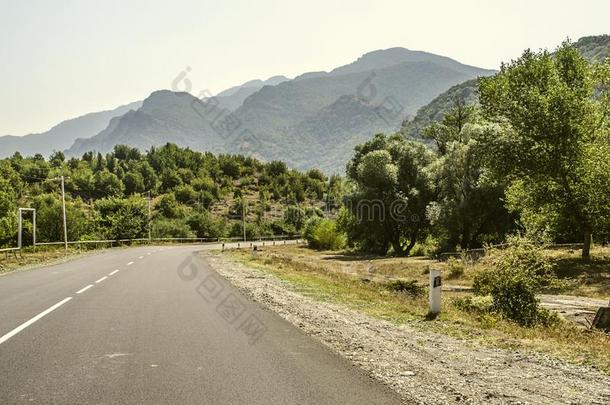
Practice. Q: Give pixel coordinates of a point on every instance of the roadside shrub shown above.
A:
(122, 218)
(475, 304)
(253, 230)
(206, 226)
(323, 234)
(455, 268)
(522, 256)
(326, 236)
(513, 278)
(410, 287)
(514, 295)
(168, 228)
(279, 227)
(308, 229)
(169, 207)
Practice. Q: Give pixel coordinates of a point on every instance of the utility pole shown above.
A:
(149, 221)
(63, 203)
(243, 216)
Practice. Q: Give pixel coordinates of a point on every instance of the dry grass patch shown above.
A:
(346, 279)
(39, 256)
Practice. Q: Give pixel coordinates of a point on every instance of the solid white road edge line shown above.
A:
(130, 263)
(82, 290)
(34, 319)
(112, 273)
(140, 257)
(102, 279)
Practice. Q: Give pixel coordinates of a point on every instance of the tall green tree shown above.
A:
(549, 111)
(469, 208)
(393, 187)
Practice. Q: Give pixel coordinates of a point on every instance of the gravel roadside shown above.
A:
(423, 367)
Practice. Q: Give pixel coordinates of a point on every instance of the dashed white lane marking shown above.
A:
(112, 273)
(148, 254)
(102, 279)
(34, 319)
(82, 290)
(140, 257)
(130, 263)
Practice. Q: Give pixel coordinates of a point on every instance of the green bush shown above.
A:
(308, 229)
(253, 230)
(323, 234)
(475, 304)
(186, 194)
(514, 276)
(168, 228)
(169, 207)
(122, 218)
(521, 256)
(455, 268)
(279, 227)
(206, 226)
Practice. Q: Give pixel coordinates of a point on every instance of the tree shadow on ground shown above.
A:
(594, 272)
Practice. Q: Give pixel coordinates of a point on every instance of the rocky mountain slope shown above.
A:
(311, 121)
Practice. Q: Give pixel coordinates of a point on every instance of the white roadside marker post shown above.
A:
(435, 292)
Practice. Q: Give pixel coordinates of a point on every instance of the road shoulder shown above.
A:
(421, 366)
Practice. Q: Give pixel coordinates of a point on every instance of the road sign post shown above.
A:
(435, 292)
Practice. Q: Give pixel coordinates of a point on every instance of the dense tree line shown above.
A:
(533, 157)
(193, 194)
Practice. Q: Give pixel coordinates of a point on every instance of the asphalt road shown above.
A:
(156, 325)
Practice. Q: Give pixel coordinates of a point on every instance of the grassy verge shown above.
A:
(319, 281)
(40, 256)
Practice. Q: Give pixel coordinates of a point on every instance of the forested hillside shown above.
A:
(193, 194)
(595, 49)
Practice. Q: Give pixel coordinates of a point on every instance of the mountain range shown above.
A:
(314, 120)
(62, 135)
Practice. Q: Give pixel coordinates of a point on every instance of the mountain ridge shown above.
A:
(290, 119)
(61, 136)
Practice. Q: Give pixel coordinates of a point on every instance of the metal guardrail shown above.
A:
(250, 243)
(152, 240)
(14, 250)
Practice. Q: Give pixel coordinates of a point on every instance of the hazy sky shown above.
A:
(61, 59)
